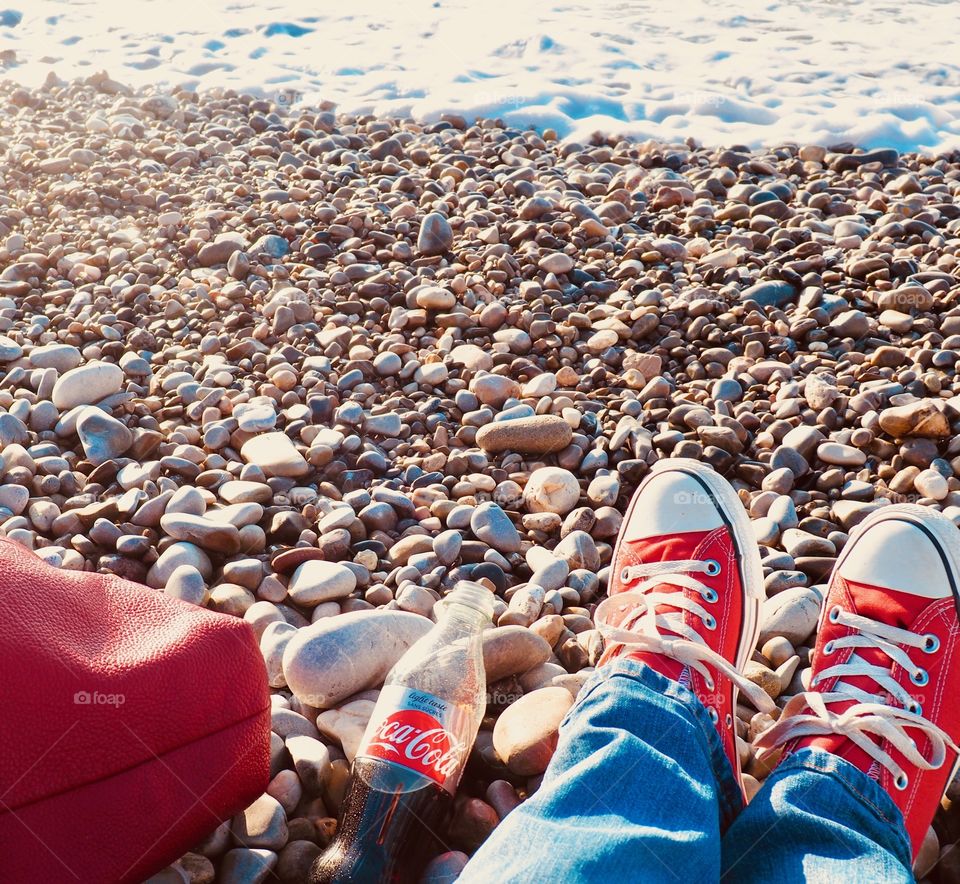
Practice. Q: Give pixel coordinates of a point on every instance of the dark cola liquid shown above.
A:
(391, 824)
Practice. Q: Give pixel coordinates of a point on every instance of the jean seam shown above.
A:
(839, 774)
(869, 801)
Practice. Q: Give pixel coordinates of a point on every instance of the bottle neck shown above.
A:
(464, 616)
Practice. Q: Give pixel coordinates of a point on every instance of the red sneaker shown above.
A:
(883, 673)
(685, 589)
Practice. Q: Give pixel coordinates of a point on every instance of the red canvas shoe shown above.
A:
(685, 589)
(883, 671)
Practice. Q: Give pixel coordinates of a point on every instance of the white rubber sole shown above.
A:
(751, 569)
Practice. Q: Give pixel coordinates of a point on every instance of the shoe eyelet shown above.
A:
(920, 677)
(710, 623)
(713, 567)
(710, 596)
(624, 575)
(915, 708)
(931, 644)
(714, 715)
(728, 720)
(901, 781)
(828, 649)
(834, 614)
(710, 683)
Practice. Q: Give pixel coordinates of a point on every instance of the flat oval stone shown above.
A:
(841, 455)
(87, 384)
(253, 418)
(432, 297)
(542, 434)
(512, 650)
(242, 491)
(275, 454)
(556, 262)
(318, 581)
(343, 655)
(219, 537)
(770, 293)
(62, 357)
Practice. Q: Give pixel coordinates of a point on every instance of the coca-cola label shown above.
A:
(421, 732)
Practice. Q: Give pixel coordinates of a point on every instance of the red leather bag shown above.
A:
(131, 724)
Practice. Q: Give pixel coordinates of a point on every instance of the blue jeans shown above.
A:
(640, 790)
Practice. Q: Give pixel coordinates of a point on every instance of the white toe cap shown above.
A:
(672, 502)
(897, 554)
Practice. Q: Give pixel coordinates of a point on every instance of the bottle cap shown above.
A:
(473, 595)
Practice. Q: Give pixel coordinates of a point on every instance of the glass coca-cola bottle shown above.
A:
(414, 750)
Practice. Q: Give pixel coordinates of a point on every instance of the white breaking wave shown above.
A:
(755, 72)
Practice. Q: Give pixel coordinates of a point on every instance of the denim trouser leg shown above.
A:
(818, 819)
(638, 790)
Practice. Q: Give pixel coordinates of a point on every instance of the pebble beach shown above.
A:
(311, 368)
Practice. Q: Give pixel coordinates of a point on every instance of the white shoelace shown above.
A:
(871, 715)
(640, 630)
